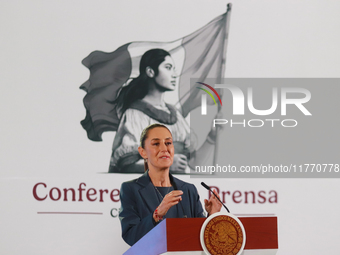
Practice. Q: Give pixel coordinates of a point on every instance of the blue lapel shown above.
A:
(148, 192)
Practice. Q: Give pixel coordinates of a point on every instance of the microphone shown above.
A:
(208, 188)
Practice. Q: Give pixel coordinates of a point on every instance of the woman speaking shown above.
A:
(157, 194)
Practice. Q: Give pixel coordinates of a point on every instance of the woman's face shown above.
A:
(167, 75)
(158, 148)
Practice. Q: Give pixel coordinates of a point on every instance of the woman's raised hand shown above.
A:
(212, 205)
(213, 131)
(169, 200)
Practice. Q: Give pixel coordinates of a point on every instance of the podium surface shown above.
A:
(182, 236)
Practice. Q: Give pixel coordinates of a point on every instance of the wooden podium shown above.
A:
(182, 236)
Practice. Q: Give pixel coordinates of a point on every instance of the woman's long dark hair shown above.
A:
(138, 87)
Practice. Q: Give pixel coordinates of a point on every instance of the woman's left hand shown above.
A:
(212, 205)
(179, 164)
(213, 131)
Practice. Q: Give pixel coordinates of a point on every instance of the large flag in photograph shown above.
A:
(200, 55)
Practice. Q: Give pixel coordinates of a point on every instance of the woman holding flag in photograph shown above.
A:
(125, 92)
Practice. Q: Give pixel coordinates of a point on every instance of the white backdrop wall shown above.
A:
(42, 45)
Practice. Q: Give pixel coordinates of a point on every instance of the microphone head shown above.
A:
(208, 188)
(205, 185)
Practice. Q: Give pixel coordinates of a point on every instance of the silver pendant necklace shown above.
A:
(160, 192)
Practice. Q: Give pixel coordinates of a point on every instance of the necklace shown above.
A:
(160, 192)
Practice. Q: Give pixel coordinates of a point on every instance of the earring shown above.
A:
(146, 167)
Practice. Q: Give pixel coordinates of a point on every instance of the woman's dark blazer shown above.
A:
(139, 200)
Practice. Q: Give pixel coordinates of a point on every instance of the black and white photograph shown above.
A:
(153, 127)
